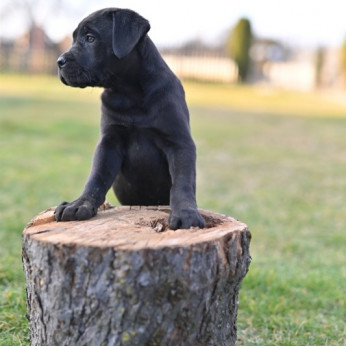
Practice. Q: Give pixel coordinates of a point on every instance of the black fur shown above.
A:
(145, 150)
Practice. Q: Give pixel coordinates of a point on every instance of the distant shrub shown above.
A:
(343, 60)
(319, 63)
(238, 47)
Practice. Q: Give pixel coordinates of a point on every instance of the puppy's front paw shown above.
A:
(185, 218)
(80, 209)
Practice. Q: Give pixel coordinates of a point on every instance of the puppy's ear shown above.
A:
(128, 28)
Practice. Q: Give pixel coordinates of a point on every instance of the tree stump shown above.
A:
(124, 278)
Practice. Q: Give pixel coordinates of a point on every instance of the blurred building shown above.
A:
(300, 71)
(32, 52)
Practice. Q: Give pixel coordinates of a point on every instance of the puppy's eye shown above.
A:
(90, 38)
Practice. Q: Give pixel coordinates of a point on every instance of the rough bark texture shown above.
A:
(124, 278)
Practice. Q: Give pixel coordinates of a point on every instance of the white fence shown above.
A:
(204, 68)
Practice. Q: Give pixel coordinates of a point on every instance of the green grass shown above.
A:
(274, 159)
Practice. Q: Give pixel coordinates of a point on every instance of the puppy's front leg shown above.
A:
(106, 164)
(184, 212)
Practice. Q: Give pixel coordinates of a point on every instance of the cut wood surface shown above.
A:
(124, 278)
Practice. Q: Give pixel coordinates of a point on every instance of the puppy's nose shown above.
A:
(61, 61)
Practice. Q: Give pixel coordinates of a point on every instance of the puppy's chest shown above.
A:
(142, 144)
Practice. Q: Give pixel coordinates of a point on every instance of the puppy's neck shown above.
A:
(123, 73)
(142, 69)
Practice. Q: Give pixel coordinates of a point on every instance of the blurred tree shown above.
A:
(38, 13)
(319, 63)
(238, 47)
(343, 61)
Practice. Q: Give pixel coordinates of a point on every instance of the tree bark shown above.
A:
(124, 278)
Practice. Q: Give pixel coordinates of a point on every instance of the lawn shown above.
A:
(276, 160)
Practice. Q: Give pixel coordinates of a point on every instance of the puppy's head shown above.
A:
(101, 44)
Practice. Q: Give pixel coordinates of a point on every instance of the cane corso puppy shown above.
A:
(145, 150)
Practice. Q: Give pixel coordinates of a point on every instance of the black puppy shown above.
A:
(146, 150)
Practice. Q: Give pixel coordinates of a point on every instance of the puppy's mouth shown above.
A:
(62, 78)
(75, 78)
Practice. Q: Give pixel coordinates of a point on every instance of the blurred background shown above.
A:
(265, 85)
(294, 44)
